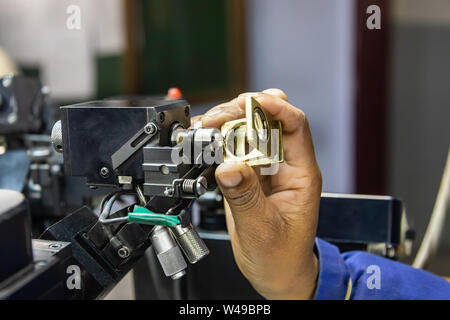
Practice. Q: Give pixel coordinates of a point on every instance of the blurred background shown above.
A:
(378, 101)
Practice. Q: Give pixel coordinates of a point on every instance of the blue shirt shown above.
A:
(361, 275)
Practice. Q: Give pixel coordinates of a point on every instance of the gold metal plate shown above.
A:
(256, 140)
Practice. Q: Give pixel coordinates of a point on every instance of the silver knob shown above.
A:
(190, 242)
(168, 253)
(57, 139)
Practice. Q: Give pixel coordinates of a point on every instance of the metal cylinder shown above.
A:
(190, 242)
(57, 139)
(168, 253)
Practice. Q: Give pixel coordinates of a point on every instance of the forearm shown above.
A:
(360, 275)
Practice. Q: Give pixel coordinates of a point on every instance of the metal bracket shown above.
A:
(134, 144)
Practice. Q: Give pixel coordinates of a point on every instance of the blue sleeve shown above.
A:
(360, 275)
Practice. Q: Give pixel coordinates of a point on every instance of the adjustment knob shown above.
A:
(57, 140)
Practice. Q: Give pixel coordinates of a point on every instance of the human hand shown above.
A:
(272, 219)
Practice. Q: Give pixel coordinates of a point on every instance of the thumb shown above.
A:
(243, 192)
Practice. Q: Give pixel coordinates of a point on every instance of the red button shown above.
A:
(174, 93)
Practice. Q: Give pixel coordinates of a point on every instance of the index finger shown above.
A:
(222, 113)
(231, 110)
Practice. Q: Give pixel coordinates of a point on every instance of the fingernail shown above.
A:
(230, 179)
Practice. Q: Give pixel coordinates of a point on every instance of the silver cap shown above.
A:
(190, 242)
(57, 139)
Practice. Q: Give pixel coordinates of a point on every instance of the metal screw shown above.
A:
(104, 172)
(123, 252)
(168, 192)
(164, 169)
(54, 245)
(201, 185)
(162, 117)
(150, 128)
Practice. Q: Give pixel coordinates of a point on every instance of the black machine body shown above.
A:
(94, 133)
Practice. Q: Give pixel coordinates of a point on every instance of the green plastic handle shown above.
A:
(144, 216)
